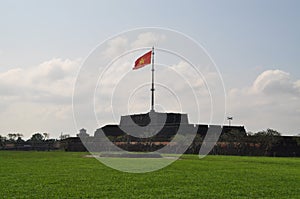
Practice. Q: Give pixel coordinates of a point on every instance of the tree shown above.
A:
(12, 136)
(36, 138)
(268, 132)
(267, 139)
(2, 140)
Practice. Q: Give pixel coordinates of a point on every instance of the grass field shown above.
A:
(71, 175)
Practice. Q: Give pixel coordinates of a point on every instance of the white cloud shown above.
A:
(273, 81)
(148, 39)
(297, 85)
(115, 47)
(54, 77)
(35, 98)
(272, 101)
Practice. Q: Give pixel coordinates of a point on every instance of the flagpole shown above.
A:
(152, 89)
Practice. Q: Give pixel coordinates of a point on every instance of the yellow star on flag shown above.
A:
(142, 61)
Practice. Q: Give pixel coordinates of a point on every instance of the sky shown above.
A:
(43, 44)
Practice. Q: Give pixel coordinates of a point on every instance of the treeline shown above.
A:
(233, 141)
(38, 141)
(263, 143)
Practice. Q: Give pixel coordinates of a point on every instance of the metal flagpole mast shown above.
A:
(152, 88)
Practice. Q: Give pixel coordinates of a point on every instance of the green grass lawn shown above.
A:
(71, 175)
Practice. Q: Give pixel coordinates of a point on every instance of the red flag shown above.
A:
(143, 60)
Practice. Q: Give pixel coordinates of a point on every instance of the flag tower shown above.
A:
(142, 61)
(152, 88)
